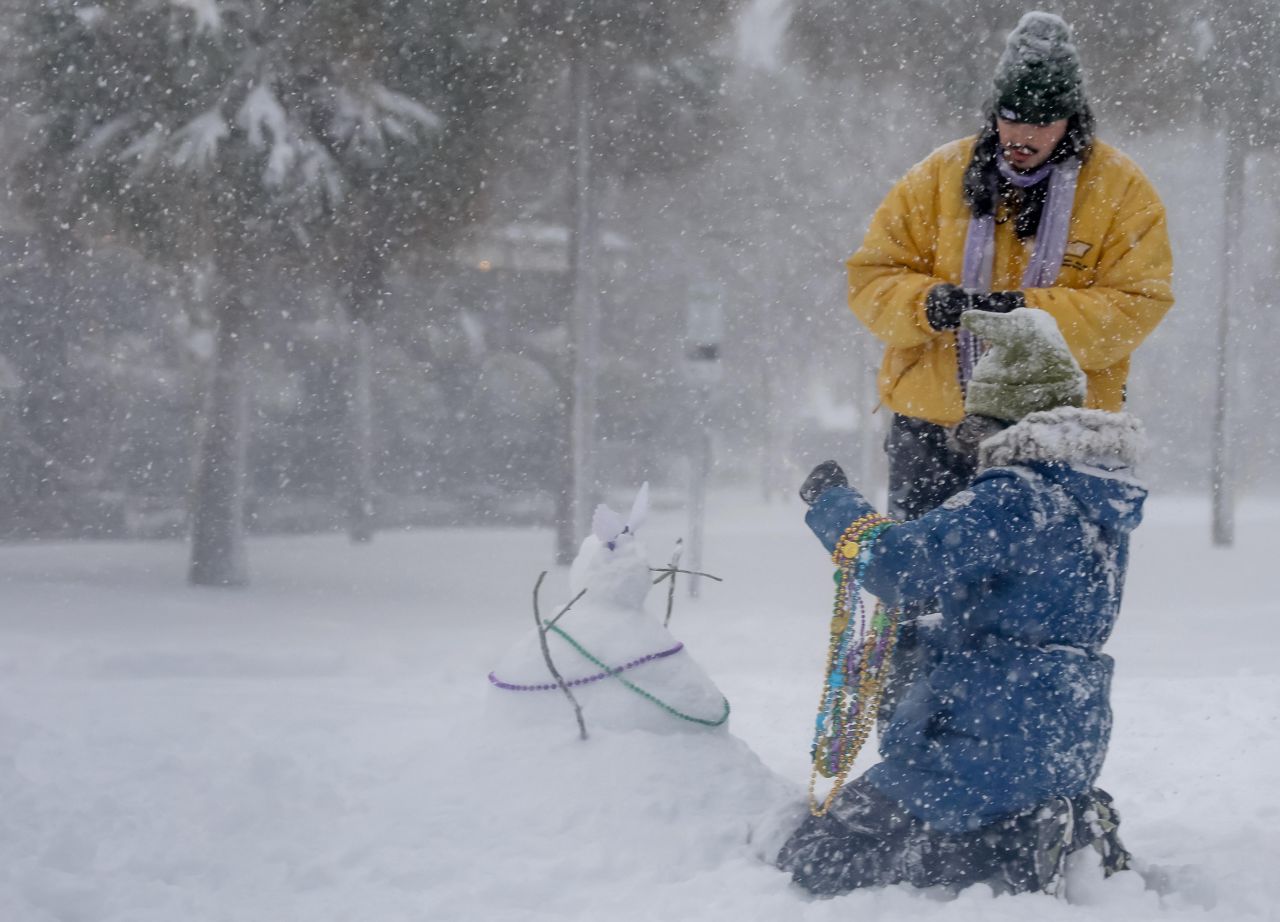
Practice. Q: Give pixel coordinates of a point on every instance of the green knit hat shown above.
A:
(1038, 78)
(1027, 368)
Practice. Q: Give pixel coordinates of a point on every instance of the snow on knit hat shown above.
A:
(1038, 77)
(1026, 368)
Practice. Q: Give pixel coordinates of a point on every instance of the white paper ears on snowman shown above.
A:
(608, 526)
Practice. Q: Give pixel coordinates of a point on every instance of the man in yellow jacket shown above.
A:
(1033, 212)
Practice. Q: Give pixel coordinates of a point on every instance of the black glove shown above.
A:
(998, 302)
(965, 437)
(826, 475)
(944, 304)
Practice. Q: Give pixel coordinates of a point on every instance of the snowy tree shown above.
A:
(226, 139)
(629, 89)
(1242, 97)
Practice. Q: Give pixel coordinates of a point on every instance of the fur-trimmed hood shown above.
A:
(1067, 435)
(1084, 455)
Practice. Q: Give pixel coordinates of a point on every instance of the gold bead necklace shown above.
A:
(847, 713)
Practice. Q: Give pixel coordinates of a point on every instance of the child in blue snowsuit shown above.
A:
(990, 758)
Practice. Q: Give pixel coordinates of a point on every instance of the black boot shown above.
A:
(1098, 824)
(1035, 845)
(860, 842)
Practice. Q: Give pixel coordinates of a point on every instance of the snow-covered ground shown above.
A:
(322, 746)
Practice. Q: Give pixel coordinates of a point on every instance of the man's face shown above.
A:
(1027, 146)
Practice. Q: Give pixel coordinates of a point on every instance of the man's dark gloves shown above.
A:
(826, 475)
(999, 302)
(944, 304)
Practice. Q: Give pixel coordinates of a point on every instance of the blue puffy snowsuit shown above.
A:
(1012, 706)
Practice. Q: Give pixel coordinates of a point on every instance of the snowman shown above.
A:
(624, 668)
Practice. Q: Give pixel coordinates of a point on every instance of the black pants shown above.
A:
(867, 840)
(924, 472)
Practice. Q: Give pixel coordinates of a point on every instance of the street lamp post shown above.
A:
(703, 334)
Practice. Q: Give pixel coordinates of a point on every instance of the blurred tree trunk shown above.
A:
(365, 295)
(1230, 267)
(873, 461)
(44, 356)
(566, 545)
(774, 450)
(574, 505)
(217, 538)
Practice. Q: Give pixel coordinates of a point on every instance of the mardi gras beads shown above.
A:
(858, 655)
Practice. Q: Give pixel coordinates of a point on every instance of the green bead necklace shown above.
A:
(674, 712)
(858, 657)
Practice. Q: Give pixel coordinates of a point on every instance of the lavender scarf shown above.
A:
(1046, 258)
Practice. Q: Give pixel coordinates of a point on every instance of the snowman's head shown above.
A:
(611, 564)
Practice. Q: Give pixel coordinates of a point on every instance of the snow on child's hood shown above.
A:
(1090, 453)
(1067, 435)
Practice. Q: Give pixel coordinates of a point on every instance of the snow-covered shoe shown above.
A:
(860, 842)
(1035, 846)
(1053, 834)
(1098, 825)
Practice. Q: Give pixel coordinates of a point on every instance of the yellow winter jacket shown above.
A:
(1113, 289)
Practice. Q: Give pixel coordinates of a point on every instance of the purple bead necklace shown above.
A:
(587, 680)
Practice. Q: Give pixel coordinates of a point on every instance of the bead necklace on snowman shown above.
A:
(632, 672)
